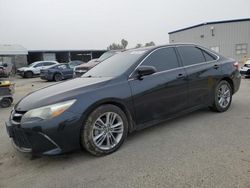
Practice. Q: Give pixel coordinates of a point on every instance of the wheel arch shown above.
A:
(116, 102)
(230, 81)
(56, 73)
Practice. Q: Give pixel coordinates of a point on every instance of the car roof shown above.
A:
(36, 62)
(161, 46)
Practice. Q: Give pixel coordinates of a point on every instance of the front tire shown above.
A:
(58, 77)
(222, 97)
(28, 74)
(5, 102)
(105, 130)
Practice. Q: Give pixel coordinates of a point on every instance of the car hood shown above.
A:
(71, 89)
(23, 68)
(88, 65)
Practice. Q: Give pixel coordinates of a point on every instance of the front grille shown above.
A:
(20, 138)
(16, 116)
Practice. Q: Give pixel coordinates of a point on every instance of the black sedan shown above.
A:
(57, 73)
(132, 90)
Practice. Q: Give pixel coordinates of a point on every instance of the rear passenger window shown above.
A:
(162, 59)
(48, 63)
(208, 56)
(191, 55)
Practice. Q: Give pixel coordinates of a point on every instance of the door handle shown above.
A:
(180, 76)
(216, 66)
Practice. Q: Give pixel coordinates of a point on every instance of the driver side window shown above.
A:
(162, 59)
(38, 65)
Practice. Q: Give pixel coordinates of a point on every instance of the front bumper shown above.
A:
(79, 73)
(50, 137)
(20, 73)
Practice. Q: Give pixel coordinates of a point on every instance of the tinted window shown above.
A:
(162, 59)
(191, 55)
(39, 65)
(48, 63)
(62, 67)
(208, 56)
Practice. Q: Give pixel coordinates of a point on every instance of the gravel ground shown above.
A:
(201, 149)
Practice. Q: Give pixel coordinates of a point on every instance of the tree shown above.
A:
(150, 44)
(138, 46)
(121, 46)
(124, 43)
(115, 46)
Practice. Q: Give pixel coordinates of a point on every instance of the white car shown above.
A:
(245, 70)
(35, 68)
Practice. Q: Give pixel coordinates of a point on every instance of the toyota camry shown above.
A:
(129, 91)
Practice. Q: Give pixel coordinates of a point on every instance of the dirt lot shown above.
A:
(202, 149)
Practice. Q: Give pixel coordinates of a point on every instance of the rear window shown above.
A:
(48, 63)
(191, 55)
(208, 56)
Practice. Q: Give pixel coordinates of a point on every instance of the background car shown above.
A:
(75, 63)
(57, 72)
(82, 69)
(245, 70)
(5, 69)
(35, 68)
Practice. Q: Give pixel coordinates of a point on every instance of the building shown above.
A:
(15, 54)
(18, 56)
(63, 56)
(231, 38)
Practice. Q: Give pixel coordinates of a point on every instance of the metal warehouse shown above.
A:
(230, 38)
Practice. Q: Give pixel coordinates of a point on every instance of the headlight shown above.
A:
(47, 112)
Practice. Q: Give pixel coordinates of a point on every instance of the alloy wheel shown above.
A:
(107, 131)
(224, 96)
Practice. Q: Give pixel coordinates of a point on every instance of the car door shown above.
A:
(203, 72)
(37, 68)
(64, 70)
(163, 93)
(67, 71)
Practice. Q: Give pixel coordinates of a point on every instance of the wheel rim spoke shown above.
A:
(101, 140)
(116, 125)
(108, 141)
(98, 136)
(113, 138)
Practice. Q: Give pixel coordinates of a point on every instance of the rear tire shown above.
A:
(222, 97)
(58, 77)
(5, 102)
(105, 130)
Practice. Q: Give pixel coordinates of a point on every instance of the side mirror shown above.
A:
(5, 65)
(145, 70)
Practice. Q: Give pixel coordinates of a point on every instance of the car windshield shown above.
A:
(115, 65)
(72, 64)
(31, 65)
(106, 55)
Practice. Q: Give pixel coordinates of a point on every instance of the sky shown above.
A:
(95, 24)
